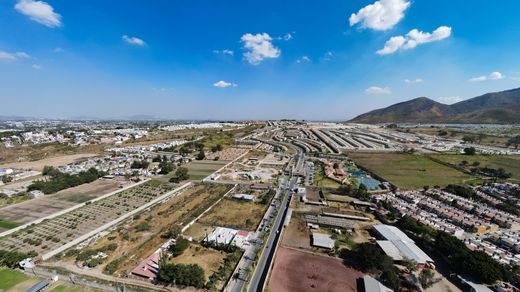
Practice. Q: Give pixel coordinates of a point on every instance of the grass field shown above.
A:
(199, 169)
(10, 278)
(511, 163)
(8, 224)
(409, 171)
(13, 200)
(235, 214)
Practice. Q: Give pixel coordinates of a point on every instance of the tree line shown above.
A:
(59, 181)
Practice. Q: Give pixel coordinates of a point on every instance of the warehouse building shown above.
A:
(399, 246)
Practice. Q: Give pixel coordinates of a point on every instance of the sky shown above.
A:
(244, 60)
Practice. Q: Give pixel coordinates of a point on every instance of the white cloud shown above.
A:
(414, 81)
(287, 37)
(224, 84)
(58, 50)
(381, 15)
(259, 47)
(133, 40)
(224, 52)
(378, 90)
(328, 56)
(37, 67)
(39, 11)
(414, 38)
(5, 56)
(303, 59)
(492, 76)
(450, 99)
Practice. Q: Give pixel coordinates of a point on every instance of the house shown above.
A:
(223, 235)
(148, 268)
(245, 197)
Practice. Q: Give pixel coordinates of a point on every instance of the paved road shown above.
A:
(259, 277)
(261, 272)
(236, 284)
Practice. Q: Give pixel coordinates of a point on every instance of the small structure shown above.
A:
(27, 263)
(245, 197)
(369, 284)
(223, 235)
(322, 240)
(40, 286)
(36, 194)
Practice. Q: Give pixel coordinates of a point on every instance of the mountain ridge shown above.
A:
(495, 107)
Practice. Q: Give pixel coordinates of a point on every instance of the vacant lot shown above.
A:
(511, 163)
(300, 271)
(53, 161)
(207, 258)
(31, 210)
(89, 191)
(235, 214)
(199, 169)
(409, 171)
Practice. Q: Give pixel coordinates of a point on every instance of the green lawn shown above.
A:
(80, 198)
(69, 288)
(511, 163)
(8, 224)
(409, 171)
(10, 278)
(199, 169)
(320, 180)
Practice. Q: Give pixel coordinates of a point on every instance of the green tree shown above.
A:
(426, 278)
(180, 245)
(514, 141)
(201, 155)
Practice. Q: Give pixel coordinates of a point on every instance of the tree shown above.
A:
(6, 179)
(181, 173)
(166, 167)
(514, 141)
(409, 264)
(180, 245)
(468, 138)
(426, 278)
(470, 151)
(442, 133)
(201, 155)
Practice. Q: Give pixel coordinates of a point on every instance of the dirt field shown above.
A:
(31, 210)
(300, 271)
(297, 234)
(235, 214)
(208, 259)
(90, 191)
(53, 161)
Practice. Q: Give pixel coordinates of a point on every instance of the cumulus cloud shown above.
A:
(378, 90)
(492, 76)
(414, 38)
(39, 11)
(133, 40)
(5, 56)
(224, 84)
(450, 99)
(381, 15)
(259, 47)
(414, 81)
(303, 59)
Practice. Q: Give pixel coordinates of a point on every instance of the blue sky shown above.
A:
(323, 60)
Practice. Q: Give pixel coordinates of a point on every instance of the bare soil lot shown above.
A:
(91, 190)
(300, 271)
(52, 161)
(31, 210)
(199, 169)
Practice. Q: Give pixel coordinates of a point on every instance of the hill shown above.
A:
(497, 107)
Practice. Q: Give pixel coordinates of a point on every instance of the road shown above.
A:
(259, 277)
(261, 272)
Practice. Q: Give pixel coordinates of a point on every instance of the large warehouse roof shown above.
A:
(398, 246)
